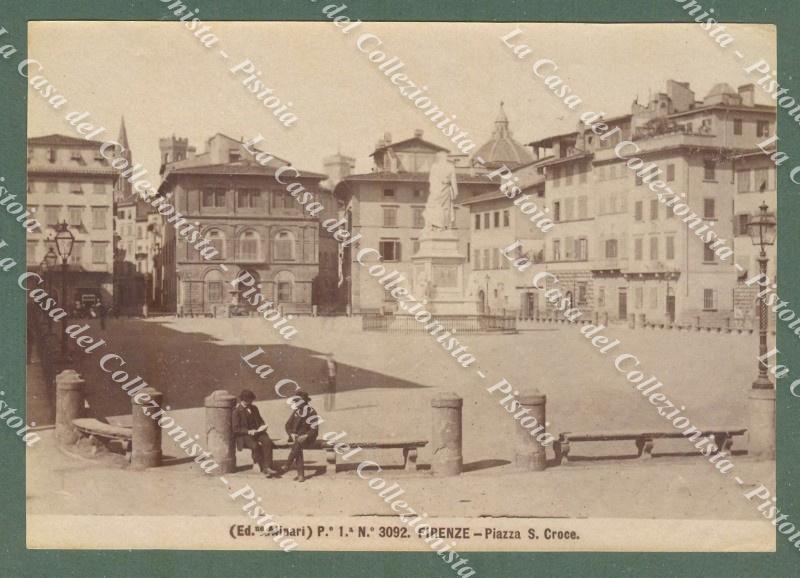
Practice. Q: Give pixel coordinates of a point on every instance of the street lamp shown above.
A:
(762, 230)
(64, 241)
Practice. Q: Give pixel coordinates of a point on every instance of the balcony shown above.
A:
(657, 142)
(652, 268)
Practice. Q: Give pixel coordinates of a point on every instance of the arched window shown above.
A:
(248, 246)
(214, 284)
(284, 287)
(283, 246)
(217, 240)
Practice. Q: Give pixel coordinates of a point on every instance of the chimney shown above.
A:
(387, 138)
(418, 133)
(748, 94)
(681, 95)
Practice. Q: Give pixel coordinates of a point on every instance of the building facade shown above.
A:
(496, 224)
(70, 180)
(385, 207)
(137, 244)
(251, 220)
(756, 183)
(616, 249)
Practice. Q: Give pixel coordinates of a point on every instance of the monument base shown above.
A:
(440, 276)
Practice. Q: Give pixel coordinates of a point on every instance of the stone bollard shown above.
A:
(447, 458)
(529, 454)
(761, 428)
(146, 435)
(219, 429)
(69, 405)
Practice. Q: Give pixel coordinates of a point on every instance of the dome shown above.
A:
(722, 93)
(502, 149)
(721, 88)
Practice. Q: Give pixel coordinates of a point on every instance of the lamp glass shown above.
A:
(762, 228)
(64, 240)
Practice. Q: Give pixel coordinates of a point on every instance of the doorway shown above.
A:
(623, 303)
(670, 305)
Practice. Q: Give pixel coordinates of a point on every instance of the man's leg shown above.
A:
(266, 450)
(255, 449)
(292, 456)
(300, 461)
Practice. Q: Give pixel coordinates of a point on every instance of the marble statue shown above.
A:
(439, 213)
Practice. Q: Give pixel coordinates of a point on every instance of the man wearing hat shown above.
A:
(251, 432)
(302, 427)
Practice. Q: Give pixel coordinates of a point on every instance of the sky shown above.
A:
(165, 82)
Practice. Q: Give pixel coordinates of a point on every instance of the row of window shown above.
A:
(568, 210)
(654, 248)
(73, 187)
(390, 217)
(127, 230)
(618, 171)
(215, 287)
(572, 249)
(654, 298)
(615, 171)
(755, 181)
(245, 199)
(217, 198)
(565, 209)
(74, 216)
(762, 127)
(488, 259)
(99, 254)
(391, 194)
(78, 157)
(577, 249)
(709, 210)
(248, 246)
(492, 219)
(568, 173)
(668, 174)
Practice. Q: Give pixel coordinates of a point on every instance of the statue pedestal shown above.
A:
(440, 277)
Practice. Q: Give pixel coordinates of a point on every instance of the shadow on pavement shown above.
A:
(186, 367)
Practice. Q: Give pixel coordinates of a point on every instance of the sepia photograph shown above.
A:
(443, 287)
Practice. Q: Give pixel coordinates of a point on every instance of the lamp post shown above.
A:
(48, 263)
(64, 241)
(487, 295)
(156, 274)
(762, 230)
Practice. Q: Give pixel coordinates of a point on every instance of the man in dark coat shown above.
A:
(303, 428)
(251, 432)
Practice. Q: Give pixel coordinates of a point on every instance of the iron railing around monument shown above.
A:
(408, 324)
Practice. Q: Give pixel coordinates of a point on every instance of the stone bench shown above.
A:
(409, 451)
(97, 430)
(723, 439)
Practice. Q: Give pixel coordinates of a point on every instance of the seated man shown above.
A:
(302, 432)
(250, 432)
